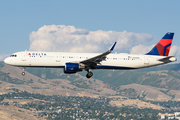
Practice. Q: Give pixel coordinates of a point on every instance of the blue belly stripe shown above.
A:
(113, 67)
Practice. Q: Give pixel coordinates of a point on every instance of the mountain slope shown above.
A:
(149, 85)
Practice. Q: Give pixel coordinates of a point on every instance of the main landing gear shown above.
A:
(23, 73)
(89, 74)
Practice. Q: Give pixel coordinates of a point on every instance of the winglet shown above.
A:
(112, 47)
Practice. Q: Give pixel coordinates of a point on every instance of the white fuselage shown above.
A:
(58, 60)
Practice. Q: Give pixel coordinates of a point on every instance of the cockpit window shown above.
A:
(13, 55)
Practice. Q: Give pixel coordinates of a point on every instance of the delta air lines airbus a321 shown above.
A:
(76, 62)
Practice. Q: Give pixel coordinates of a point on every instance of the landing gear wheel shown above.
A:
(23, 73)
(89, 74)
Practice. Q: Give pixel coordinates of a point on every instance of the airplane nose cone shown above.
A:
(7, 61)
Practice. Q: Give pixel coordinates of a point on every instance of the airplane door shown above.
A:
(146, 61)
(58, 58)
(23, 57)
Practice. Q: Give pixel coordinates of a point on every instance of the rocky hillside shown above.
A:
(156, 83)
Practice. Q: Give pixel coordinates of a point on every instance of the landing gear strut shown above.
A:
(23, 73)
(89, 74)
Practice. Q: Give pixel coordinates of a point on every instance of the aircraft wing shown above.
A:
(99, 58)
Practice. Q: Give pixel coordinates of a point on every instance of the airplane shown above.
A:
(76, 62)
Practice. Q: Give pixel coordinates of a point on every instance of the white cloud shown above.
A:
(3, 56)
(88, 47)
(141, 49)
(69, 38)
(175, 50)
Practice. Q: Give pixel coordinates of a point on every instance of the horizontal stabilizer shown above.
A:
(166, 58)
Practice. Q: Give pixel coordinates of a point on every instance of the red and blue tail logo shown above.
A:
(162, 48)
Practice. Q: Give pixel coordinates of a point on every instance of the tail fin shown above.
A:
(162, 48)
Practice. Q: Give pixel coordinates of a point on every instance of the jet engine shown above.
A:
(71, 68)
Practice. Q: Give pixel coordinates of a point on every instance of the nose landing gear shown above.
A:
(23, 73)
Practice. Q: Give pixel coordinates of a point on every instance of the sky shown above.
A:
(87, 25)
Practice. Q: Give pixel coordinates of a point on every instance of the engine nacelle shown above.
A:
(72, 68)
